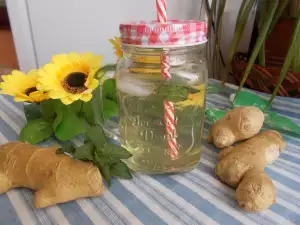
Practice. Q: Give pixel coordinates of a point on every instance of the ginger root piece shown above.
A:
(239, 124)
(242, 166)
(256, 191)
(55, 178)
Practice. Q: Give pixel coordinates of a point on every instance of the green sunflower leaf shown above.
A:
(48, 108)
(36, 131)
(109, 89)
(110, 108)
(87, 111)
(67, 123)
(109, 97)
(32, 111)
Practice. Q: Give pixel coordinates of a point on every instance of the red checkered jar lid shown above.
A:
(173, 33)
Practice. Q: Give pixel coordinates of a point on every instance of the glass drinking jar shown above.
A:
(161, 118)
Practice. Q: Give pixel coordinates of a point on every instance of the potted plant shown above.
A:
(254, 69)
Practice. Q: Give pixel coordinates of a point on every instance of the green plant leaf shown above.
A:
(36, 131)
(87, 111)
(32, 111)
(67, 148)
(281, 123)
(288, 60)
(237, 36)
(117, 152)
(67, 123)
(121, 170)
(110, 108)
(84, 152)
(97, 136)
(103, 167)
(49, 108)
(213, 114)
(97, 106)
(260, 40)
(277, 16)
(246, 98)
(109, 89)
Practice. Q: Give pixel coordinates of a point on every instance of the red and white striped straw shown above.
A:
(169, 108)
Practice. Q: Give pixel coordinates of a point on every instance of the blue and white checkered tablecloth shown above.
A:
(197, 197)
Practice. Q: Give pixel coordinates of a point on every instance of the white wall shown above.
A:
(76, 25)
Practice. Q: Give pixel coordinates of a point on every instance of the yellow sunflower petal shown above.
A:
(20, 99)
(75, 97)
(67, 100)
(60, 59)
(86, 97)
(57, 94)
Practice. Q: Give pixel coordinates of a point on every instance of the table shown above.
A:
(197, 197)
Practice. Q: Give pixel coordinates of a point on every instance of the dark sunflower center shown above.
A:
(30, 90)
(76, 79)
(74, 82)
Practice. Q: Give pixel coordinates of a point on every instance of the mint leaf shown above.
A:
(103, 167)
(84, 152)
(67, 123)
(97, 136)
(67, 148)
(173, 93)
(32, 111)
(118, 152)
(121, 170)
(36, 131)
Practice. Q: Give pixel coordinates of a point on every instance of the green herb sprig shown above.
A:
(104, 155)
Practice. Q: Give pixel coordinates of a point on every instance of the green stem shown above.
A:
(221, 9)
(262, 17)
(241, 11)
(102, 70)
(237, 37)
(296, 59)
(280, 10)
(287, 60)
(261, 38)
(210, 27)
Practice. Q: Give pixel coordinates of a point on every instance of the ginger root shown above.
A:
(242, 166)
(55, 178)
(239, 124)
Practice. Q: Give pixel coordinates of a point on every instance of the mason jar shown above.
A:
(161, 88)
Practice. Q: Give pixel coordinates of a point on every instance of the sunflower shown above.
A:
(70, 77)
(117, 46)
(22, 86)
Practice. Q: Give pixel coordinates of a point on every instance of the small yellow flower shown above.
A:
(22, 86)
(70, 77)
(116, 42)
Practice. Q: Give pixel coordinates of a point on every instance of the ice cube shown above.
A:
(132, 85)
